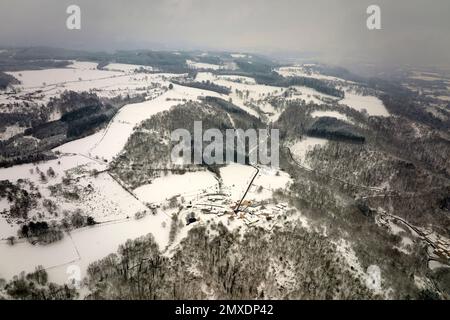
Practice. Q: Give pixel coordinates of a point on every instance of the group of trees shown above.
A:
(44, 232)
(34, 58)
(17, 118)
(317, 84)
(398, 153)
(41, 232)
(35, 286)
(81, 113)
(21, 201)
(327, 204)
(6, 80)
(76, 220)
(205, 85)
(415, 141)
(408, 106)
(335, 129)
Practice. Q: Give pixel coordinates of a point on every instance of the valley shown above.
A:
(86, 181)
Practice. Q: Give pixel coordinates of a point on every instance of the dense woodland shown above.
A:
(227, 266)
(205, 85)
(147, 152)
(334, 129)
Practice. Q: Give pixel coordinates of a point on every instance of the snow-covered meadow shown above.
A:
(302, 71)
(331, 114)
(39, 86)
(370, 104)
(80, 248)
(201, 65)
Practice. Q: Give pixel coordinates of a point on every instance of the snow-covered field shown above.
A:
(202, 65)
(299, 71)
(235, 178)
(117, 80)
(240, 79)
(60, 166)
(241, 86)
(40, 78)
(267, 181)
(185, 185)
(100, 195)
(371, 104)
(106, 199)
(331, 114)
(127, 68)
(81, 248)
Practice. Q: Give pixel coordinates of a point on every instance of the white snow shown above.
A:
(23, 256)
(127, 68)
(106, 200)
(72, 73)
(269, 180)
(255, 91)
(164, 188)
(240, 55)
(6, 229)
(236, 178)
(39, 86)
(92, 243)
(59, 165)
(371, 104)
(239, 79)
(332, 114)
(300, 71)
(201, 65)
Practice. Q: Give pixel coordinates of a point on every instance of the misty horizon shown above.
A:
(413, 32)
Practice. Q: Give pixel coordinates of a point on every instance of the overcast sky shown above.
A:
(413, 31)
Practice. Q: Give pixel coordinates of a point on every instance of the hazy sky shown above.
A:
(413, 31)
